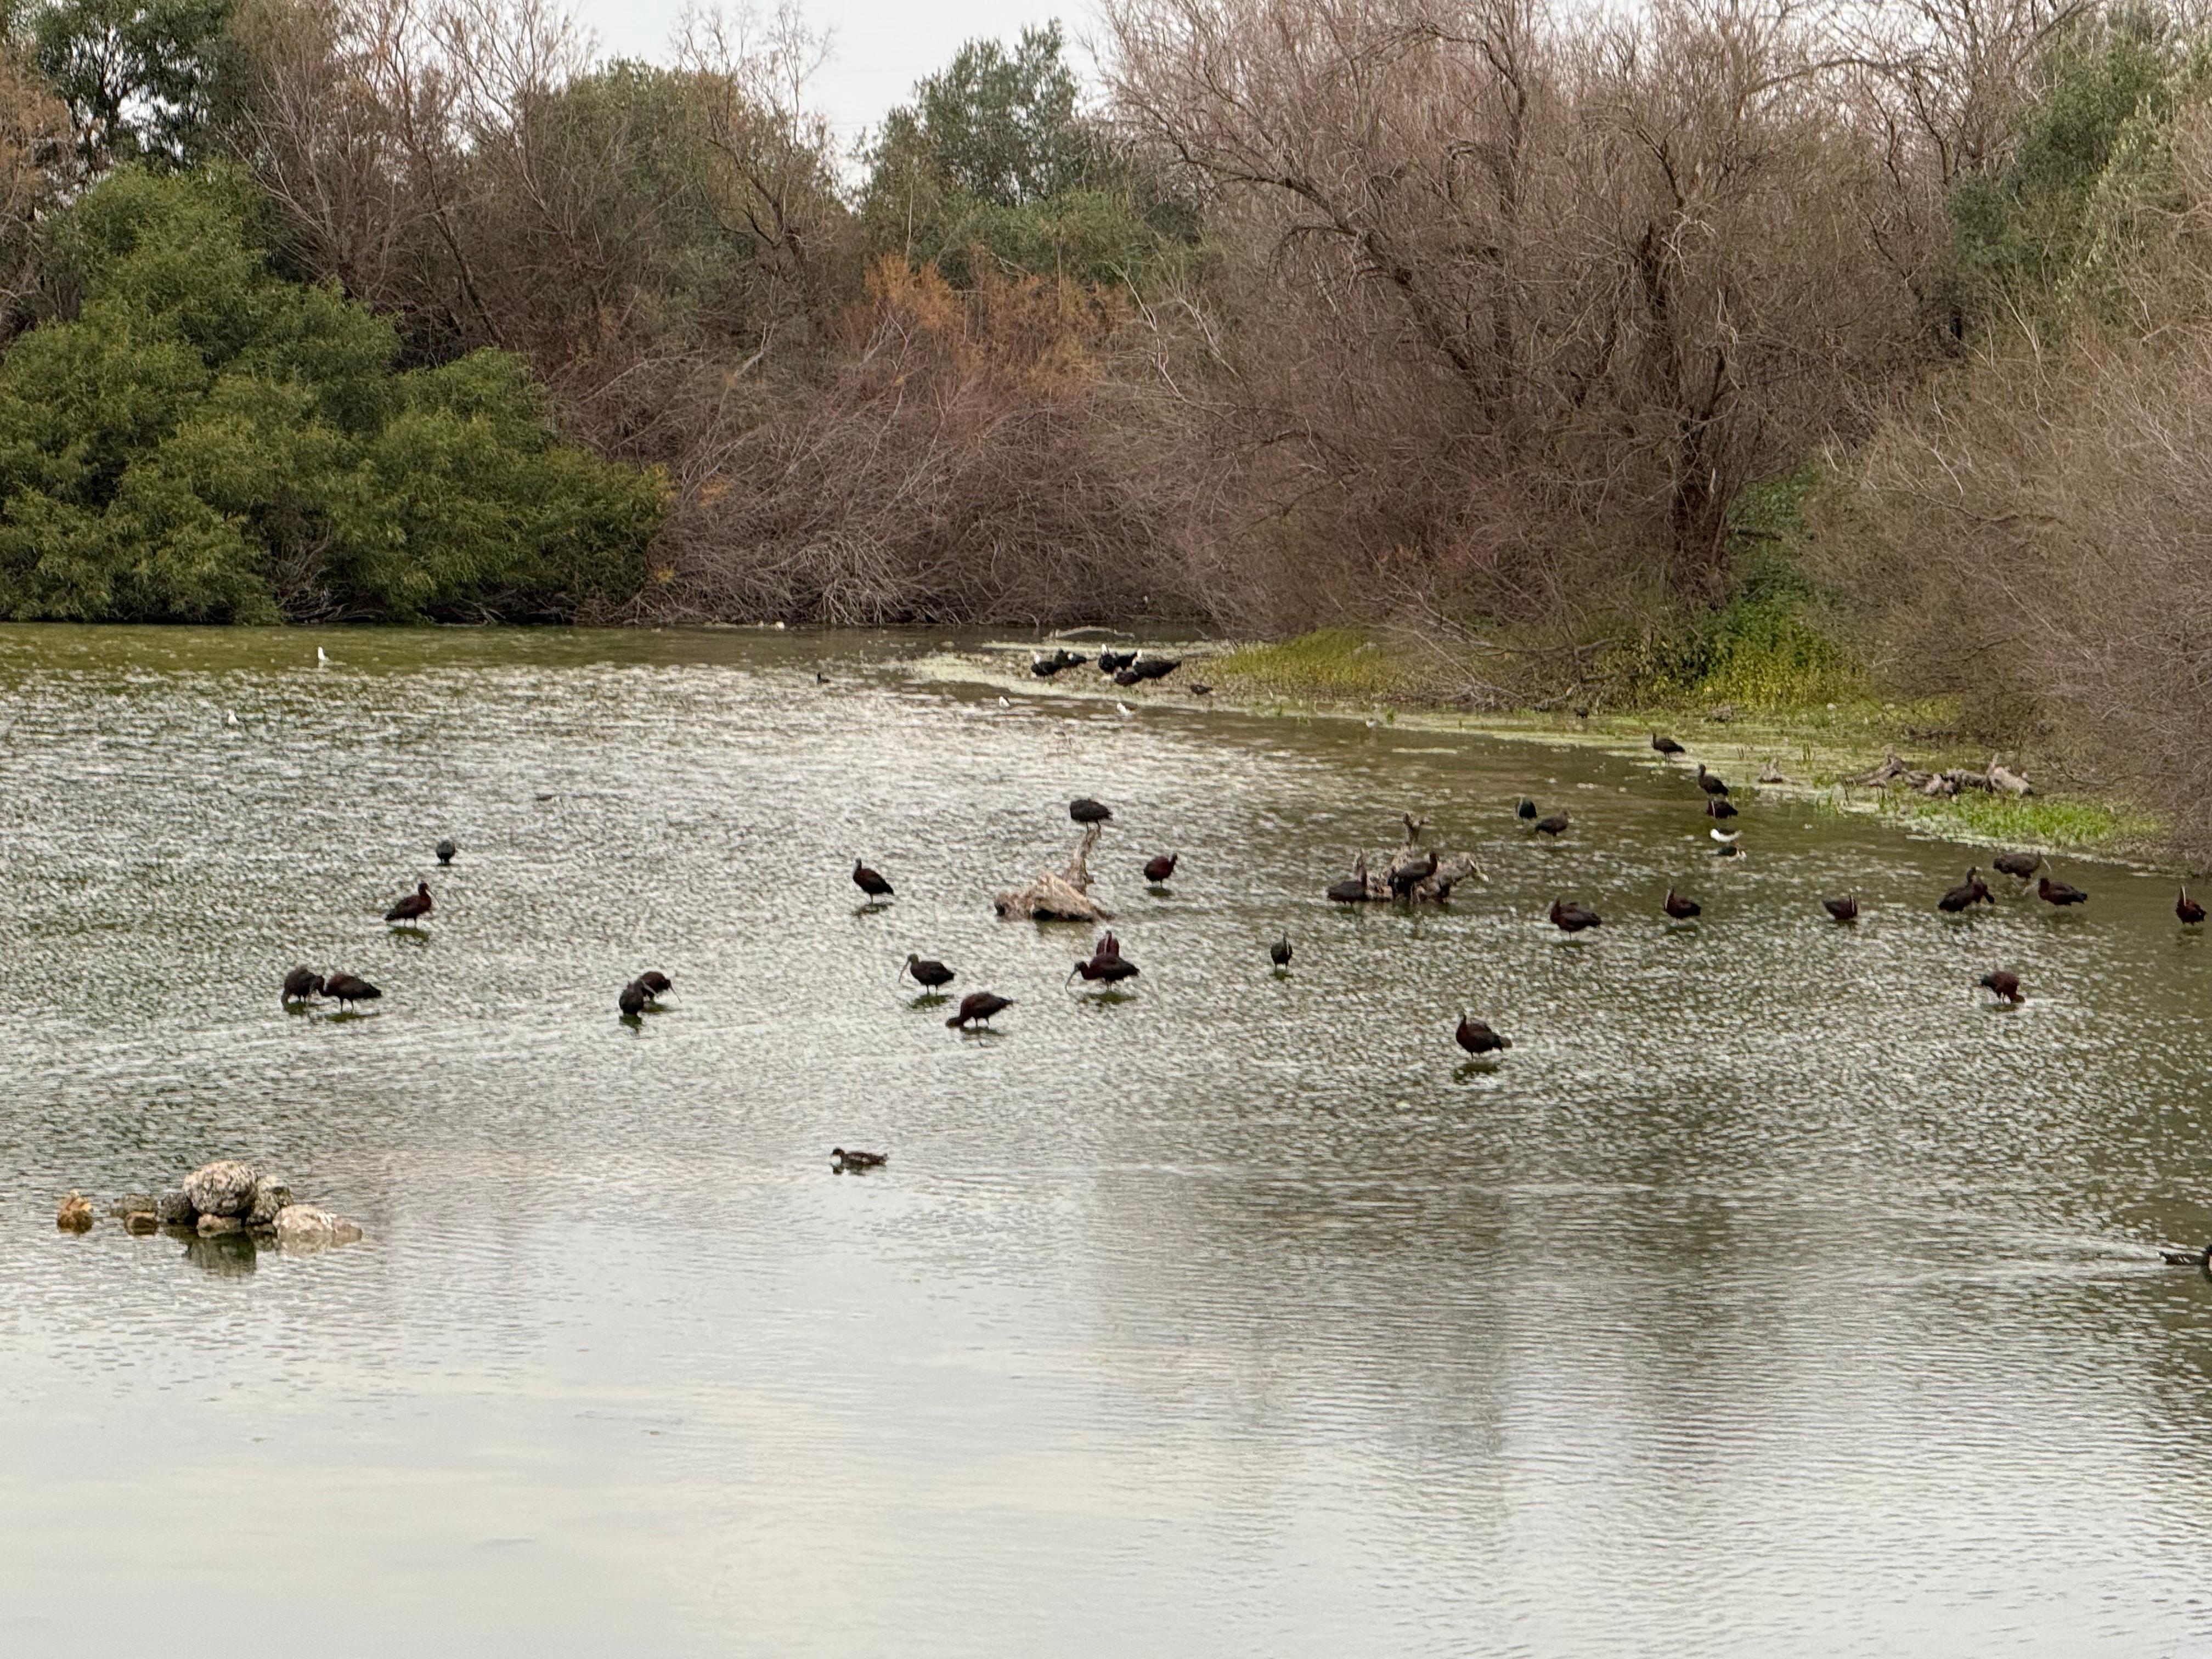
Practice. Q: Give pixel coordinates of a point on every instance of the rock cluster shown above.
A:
(227, 1196)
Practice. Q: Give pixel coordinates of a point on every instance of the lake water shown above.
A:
(1775, 1295)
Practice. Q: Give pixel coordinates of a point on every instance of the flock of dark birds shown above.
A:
(1122, 667)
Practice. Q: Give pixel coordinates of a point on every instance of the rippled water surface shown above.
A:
(1775, 1295)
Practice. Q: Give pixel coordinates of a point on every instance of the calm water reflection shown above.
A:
(1773, 1295)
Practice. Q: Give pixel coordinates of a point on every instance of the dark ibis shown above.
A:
(1665, 746)
(1845, 908)
(979, 1006)
(1107, 947)
(1478, 1038)
(1406, 878)
(414, 907)
(445, 849)
(927, 974)
(1680, 908)
(2058, 893)
(1972, 891)
(1112, 970)
(1719, 808)
(1127, 676)
(632, 1000)
(1525, 810)
(2004, 984)
(2019, 865)
(301, 983)
(857, 1159)
(1352, 889)
(1554, 825)
(1084, 810)
(1157, 869)
(1711, 782)
(657, 984)
(1573, 917)
(2188, 909)
(1155, 668)
(1280, 952)
(2174, 1256)
(349, 988)
(869, 882)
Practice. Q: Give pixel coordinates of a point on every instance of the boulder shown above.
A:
(140, 1221)
(75, 1213)
(130, 1203)
(269, 1197)
(210, 1226)
(224, 1187)
(174, 1210)
(309, 1227)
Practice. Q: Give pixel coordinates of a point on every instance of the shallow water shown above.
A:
(1774, 1294)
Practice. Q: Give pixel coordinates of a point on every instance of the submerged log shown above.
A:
(1062, 896)
(1435, 888)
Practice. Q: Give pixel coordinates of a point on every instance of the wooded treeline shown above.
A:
(1562, 330)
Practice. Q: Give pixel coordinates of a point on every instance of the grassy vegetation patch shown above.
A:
(1345, 665)
(2032, 821)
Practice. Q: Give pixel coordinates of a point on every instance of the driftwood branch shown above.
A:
(1061, 895)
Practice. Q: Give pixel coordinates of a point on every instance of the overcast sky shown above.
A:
(879, 48)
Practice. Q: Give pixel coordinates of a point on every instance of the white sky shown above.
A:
(878, 49)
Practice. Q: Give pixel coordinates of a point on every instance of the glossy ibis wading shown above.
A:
(445, 849)
(1525, 810)
(1406, 878)
(869, 882)
(414, 907)
(2188, 909)
(1478, 1038)
(1719, 808)
(1280, 952)
(1711, 782)
(657, 984)
(2057, 892)
(1845, 908)
(632, 1000)
(2019, 865)
(1084, 810)
(1972, 891)
(349, 988)
(927, 974)
(1665, 746)
(1680, 908)
(857, 1159)
(1110, 970)
(1554, 825)
(1573, 917)
(979, 1006)
(2004, 984)
(1157, 869)
(301, 983)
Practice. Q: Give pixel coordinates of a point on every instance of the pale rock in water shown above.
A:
(309, 1227)
(269, 1197)
(224, 1187)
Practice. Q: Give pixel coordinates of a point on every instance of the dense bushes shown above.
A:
(205, 442)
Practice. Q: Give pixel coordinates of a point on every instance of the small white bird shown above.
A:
(1003, 703)
(1122, 709)
(1726, 837)
(322, 657)
(230, 717)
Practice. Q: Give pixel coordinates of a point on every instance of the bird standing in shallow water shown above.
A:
(2057, 892)
(632, 1000)
(2019, 865)
(979, 1006)
(445, 849)
(301, 983)
(1718, 808)
(1711, 782)
(1845, 908)
(869, 882)
(1084, 810)
(348, 988)
(1680, 908)
(1554, 825)
(1159, 869)
(2188, 909)
(1573, 917)
(657, 984)
(1665, 746)
(1112, 970)
(1478, 1038)
(1525, 810)
(2005, 985)
(858, 1160)
(1972, 891)
(1280, 952)
(1403, 881)
(414, 907)
(927, 974)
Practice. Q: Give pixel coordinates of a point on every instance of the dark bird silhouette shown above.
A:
(1155, 668)
(1406, 878)
(2174, 1256)
(1525, 810)
(1084, 810)
(2057, 892)
(857, 1159)
(1352, 889)
(1113, 662)
(1554, 825)
(1127, 677)
(1680, 908)
(301, 983)
(349, 988)
(1280, 952)
(1159, 869)
(1845, 908)
(2005, 984)
(1718, 808)
(2188, 909)
(979, 1006)
(632, 1000)
(1045, 667)
(869, 882)
(414, 907)
(657, 984)
(1200, 690)
(927, 974)
(1665, 746)
(1711, 782)
(1111, 969)
(1478, 1039)
(1972, 891)
(1573, 917)
(2019, 865)
(445, 849)
(1107, 947)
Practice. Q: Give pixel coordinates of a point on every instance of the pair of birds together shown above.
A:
(642, 992)
(302, 983)
(1106, 965)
